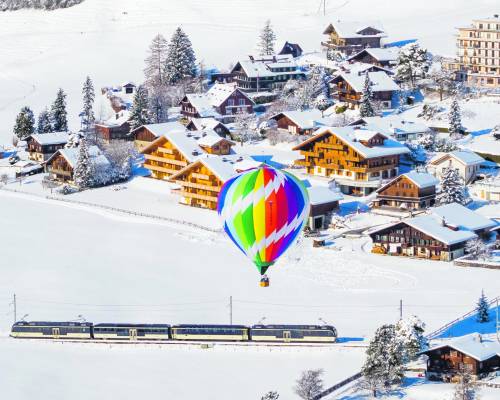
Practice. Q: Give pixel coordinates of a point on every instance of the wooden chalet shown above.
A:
(358, 160)
(61, 165)
(175, 150)
(41, 146)
(265, 74)
(199, 124)
(146, 134)
(115, 128)
(202, 180)
(222, 102)
(323, 203)
(472, 353)
(350, 37)
(298, 122)
(292, 49)
(382, 57)
(348, 88)
(411, 191)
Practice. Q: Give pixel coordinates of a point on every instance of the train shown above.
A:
(165, 332)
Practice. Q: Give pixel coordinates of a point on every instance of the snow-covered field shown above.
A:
(107, 39)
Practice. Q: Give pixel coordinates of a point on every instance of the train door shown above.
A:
(56, 332)
(133, 334)
(287, 336)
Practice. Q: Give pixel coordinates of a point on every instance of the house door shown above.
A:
(56, 332)
(133, 334)
(318, 223)
(292, 128)
(287, 336)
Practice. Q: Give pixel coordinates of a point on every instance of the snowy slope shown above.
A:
(107, 39)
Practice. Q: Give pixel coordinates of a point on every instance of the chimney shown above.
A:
(443, 221)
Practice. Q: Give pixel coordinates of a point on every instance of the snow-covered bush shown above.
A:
(4, 179)
(445, 145)
(430, 111)
(410, 333)
(65, 190)
(477, 249)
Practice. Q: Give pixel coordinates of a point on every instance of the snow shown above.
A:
(304, 119)
(51, 138)
(380, 54)
(422, 179)
(352, 29)
(201, 102)
(219, 92)
(393, 124)
(474, 345)
(323, 195)
(381, 81)
(160, 129)
(457, 215)
(205, 123)
(485, 144)
(468, 158)
(71, 156)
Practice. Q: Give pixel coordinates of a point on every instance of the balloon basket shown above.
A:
(264, 282)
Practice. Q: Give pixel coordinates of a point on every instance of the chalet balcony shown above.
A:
(197, 196)
(165, 160)
(160, 169)
(302, 163)
(60, 172)
(199, 186)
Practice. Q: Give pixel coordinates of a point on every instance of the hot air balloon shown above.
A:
(263, 211)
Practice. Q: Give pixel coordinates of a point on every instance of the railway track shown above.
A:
(202, 344)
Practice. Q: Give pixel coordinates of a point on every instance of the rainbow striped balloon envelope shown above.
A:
(263, 211)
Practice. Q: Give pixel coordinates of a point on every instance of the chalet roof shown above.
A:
(205, 123)
(392, 125)
(323, 195)
(292, 47)
(159, 129)
(380, 54)
(350, 135)
(210, 138)
(381, 81)
(51, 138)
(203, 105)
(420, 179)
(259, 68)
(360, 67)
(473, 345)
(352, 29)
(465, 157)
(433, 226)
(118, 119)
(457, 215)
(219, 93)
(304, 119)
(223, 167)
(71, 156)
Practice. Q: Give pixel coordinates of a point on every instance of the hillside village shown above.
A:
(398, 148)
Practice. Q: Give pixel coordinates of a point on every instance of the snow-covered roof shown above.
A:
(205, 123)
(51, 138)
(71, 156)
(260, 68)
(361, 68)
(219, 93)
(348, 29)
(380, 54)
(381, 81)
(422, 179)
(303, 119)
(118, 119)
(350, 135)
(223, 167)
(160, 129)
(323, 195)
(466, 157)
(392, 125)
(209, 138)
(461, 217)
(433, 226)
(203, 105)
(186, 144)
(473, 345)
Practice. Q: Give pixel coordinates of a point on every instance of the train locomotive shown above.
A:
(165, 332)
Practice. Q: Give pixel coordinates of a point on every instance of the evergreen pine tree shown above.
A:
(88, 117)
(58, 113)
(455, 119)
(383, 366)
(154, 71)
(410, 334)
(25, 124)
(452, 188)
(139, 113)
(181, 61)
(412, 63)
(44, 125)
(83, 174)
(482, 309)
(267, 38)
(366, 107)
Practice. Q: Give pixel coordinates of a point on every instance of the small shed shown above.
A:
(324, 201)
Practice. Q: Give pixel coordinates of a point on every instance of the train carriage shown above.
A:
(210, 332)
(108, 331)
(52, 330)
(293, 333)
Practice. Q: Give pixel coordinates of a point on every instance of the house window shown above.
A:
(242, 102)
(230, 102)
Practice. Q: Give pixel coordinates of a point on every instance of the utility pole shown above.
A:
(15, 308)
(498, 325)
(401, 309)
(324, 7)
(230, 310)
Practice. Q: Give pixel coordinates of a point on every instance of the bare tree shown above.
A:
(466, 388)
(246, 127)
(271, 395)
(4, 178)
(310, 384)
